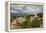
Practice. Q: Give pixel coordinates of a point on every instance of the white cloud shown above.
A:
(33, 10)
(28, 9)
(14, 11)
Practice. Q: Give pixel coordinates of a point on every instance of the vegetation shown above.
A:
(35, 23)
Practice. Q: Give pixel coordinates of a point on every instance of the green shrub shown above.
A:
(24, 24)
(29, 24)
(35, 23)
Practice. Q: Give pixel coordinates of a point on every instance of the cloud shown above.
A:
(34, 9)
(14, 11)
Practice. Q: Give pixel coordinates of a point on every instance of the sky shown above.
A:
(26, 9)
